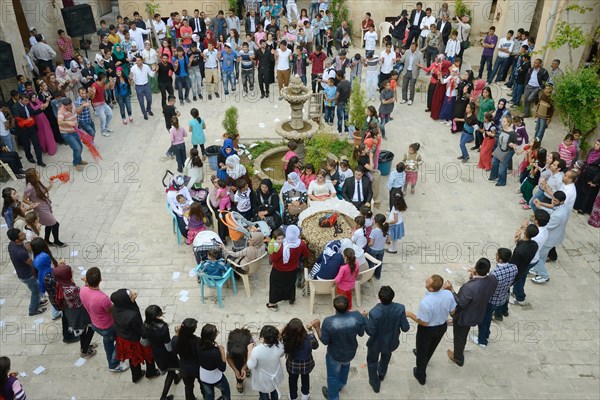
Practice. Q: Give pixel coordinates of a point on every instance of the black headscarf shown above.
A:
(126, 313)
(263, 199)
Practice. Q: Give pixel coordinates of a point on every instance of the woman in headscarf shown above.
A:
(440, 88)
(235, 170)
(501, 111)
(237, 354)
(588, 181)
(451, 82)
(295, 198)
(209, 38)
(177, 187)
(286, 263)
(267, 201)
(77, 318)
(185, 345)
(254, 250)
(226, 151)
(463, 97)
(120, 58)
(130, 332)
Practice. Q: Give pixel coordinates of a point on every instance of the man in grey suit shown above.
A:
(471, 302)
(412, 60)
(559, 216)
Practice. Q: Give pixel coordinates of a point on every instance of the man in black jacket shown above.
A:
(471, 303)
(198, 25)
(523, 254)
(27, 132)
(248, 23)
(358, 190)
(399, 29)
(265, 67)
(445, 28)
(536, 78)
(414, 24)
(384, 323)
(12, 159)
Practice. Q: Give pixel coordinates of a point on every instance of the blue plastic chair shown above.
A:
(176, 230)
(215, 282)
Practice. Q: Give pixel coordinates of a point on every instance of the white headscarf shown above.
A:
(291, 241)
(345, 244)
(234, 168)
(298, 185)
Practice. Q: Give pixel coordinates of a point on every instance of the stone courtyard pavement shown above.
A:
(113, 216)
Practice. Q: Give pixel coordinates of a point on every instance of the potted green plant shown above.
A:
(358, 111)
(230, 124)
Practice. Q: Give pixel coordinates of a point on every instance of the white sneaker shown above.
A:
(109, 130)
(402, 101)
(475, 340)
(410, 102)
(516, 302)
(106, 134)
(538, 279)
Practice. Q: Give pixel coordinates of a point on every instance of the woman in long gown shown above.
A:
(594, 219)
(45, 95)
(440, 90)
(44, 130)
(433, 69)
(451, 84)
(588, 181)
(462, 99)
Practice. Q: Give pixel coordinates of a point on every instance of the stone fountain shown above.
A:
(297, 129)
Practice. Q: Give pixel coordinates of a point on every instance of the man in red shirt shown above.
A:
(96, 93)
(366, 23)
(317, 59)
(99, 307)
(186, 32)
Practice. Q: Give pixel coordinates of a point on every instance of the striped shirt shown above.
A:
(396, 180)
(67, 120)
(505, 274)
(85, 116)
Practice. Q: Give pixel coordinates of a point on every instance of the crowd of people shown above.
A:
(200, 52)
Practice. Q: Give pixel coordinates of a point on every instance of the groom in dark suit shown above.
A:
(26, 129)
(358, 190)
(414, 24)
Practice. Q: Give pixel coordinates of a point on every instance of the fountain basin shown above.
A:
(269, 165)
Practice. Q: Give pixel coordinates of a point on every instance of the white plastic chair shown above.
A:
(384, 30)
(365, 276)
(318, 286)
(253, 267)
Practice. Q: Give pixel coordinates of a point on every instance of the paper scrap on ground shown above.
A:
(39, 370)
(83, 272)
(23, 374)
(2, 301)
(74, 253)
(448, 270)
(3, 226)
(275, 106)
(2, 323)
(465, 268)
(80, 362)
(192, 273)
(261, 125)
(80, 268)
(411, 268)
(184, 293)
(184, 299)
(38, 321)
(176, 275)
(276, 120)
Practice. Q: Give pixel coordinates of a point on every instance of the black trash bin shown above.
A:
(212, 152)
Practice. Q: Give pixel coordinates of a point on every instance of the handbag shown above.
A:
(296, 209)
(328, 220)
(465, 44)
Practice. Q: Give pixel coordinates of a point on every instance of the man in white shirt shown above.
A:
(140, 76)
(426, 22)
(370, 41)
(282, 60)
(159, 27)
(211, 70)
(505, 47)
(43, 54)
(137, 34)
(32, 38)
(387, 59)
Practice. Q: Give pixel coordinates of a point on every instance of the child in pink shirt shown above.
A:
(223, 196)
(308, 175)
(346, 277)
(568, 150)
(178, 134)
(290, 153)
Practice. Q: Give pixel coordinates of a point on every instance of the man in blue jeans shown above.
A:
(228, 60)
(502, 155)
(24, 268)
(84, 117)
(67, 123)
(182, 76)
(339, 334)
(99, 307)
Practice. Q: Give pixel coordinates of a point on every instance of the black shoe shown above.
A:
(169, 397)
(210, 97)
(498, 184)
(474, 147)
(194, 98)
(505, 314)
(41, 164)
(262, 95)
(188, 100)
(137, 379)
(381, 377)
(39, 311)
(150, 113)
(146, 117)
(217, 95)
(498, 317)
(31, 160)
(375, 388)
(43, 302)
(421, 381)
(58, 243)
(200, 96)
(325, 392)
(20, 172)
(415, 352)
(267, 95)
(292, 302)
(154, 375)
(71, 340)
(20, 176)
(177, 379)
(460, 158)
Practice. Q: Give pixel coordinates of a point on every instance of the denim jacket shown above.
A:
(339, 333)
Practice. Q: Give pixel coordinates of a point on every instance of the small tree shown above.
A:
(577, 99)
(462, 9)
(230, 123)
(340, 13)
(358, 106)
(568, 33)
(152, 8)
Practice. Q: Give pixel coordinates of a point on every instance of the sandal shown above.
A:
(272, 307)
(522, 201)
(526, 207)
(240, 387)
